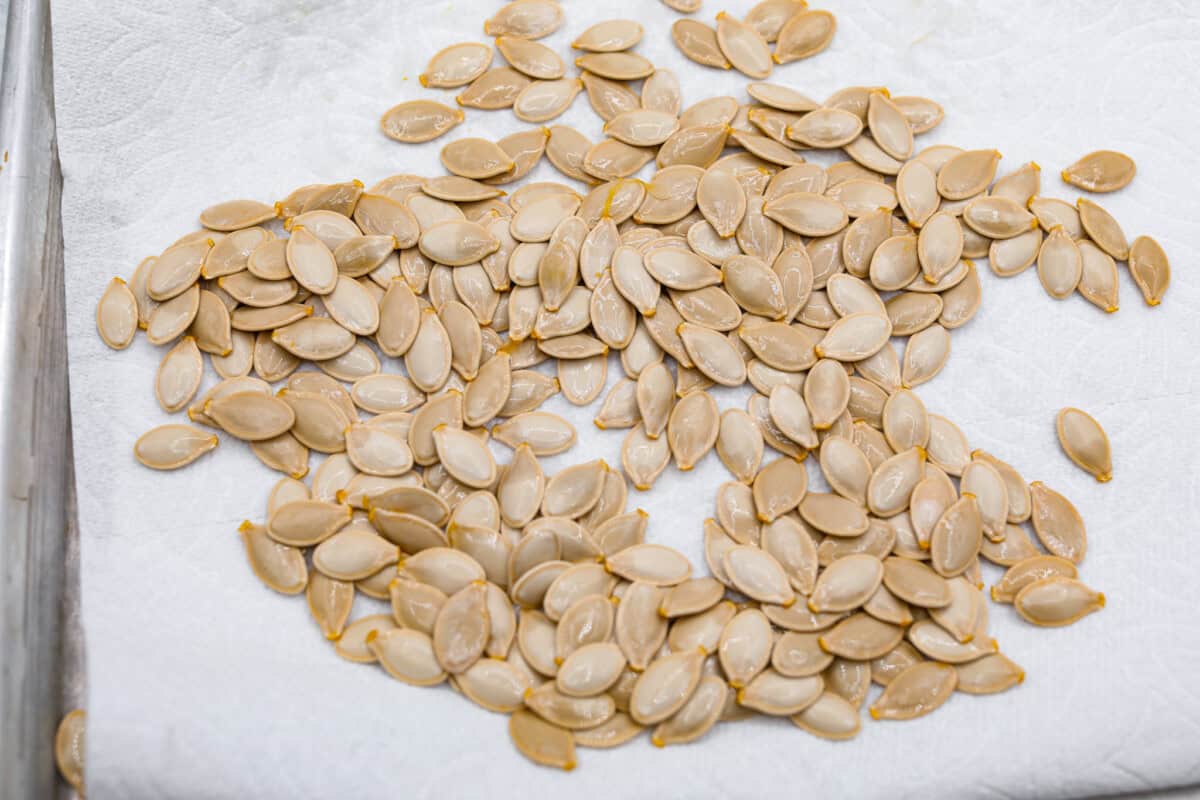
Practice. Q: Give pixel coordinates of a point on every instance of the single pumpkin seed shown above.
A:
(1101, 171)
(756, 574)
(1056, 601)
(804, 35)
(916, 691)
(967, 173)
(699, 42)
(1150, 269)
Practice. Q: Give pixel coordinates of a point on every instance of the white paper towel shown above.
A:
(204, 684)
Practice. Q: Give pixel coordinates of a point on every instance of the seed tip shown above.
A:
(874, 713)
(1101, 600)
(657, 741)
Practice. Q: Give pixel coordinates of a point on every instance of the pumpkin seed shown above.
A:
(70, 747)
(699, 42)
(179, 374)
(889, 126)
(418, 121)
(609, 36)
(756, 574)
(739, 444)
(1057, 600)
(640, 631)
(830, 717)
(861, 637)
(1101, 171)
(804, 35)
(456, 65)
(528, 19)
(1150, 269)
(692, 429)
(545, 433)
(1058, 525)
(232, 215)
(925, 355)
(967, 173)
(745, 647)
(916, 691)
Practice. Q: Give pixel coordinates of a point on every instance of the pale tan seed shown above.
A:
(1059, 264)
(354, 553)
(699, 145)
(465, 456)
(661, 92)
(893, 481)
(1028, 570)
(713, 355)
(861, 637)
(1057, 523)
(916, 691)
(826, 393)
(1101, 171)
(1098, 277)
(895, 262)
(956, 538)
(249, 290)
(545, 433)
(1150, 269)
(456, 65)
(231, 253)
(590, 669)
(495, 89)
(722, 201)
(419, 120)
(655, 398)
(442, 568)
(915, 583)
(845, 468)
(778, 488)
(755, 287)
(1052, 212)
(641, 127)
(756, 574)
(988, 675)
(855, 337)
(171, 318)
(1013, 256)
(830, 717)
(250, 415)
(609, 36)
(665, 686)
(179, 374)
(779, 695)
(739, 444)
(696, 716)
(1057, 600)
(302, 523)
(744, 48)
(998, 217)
(889, 126)
(846, 584)
(804, 35)
(640, 631)
(745, 647)
(172, 446)
(699, 42)
(692, 429)
(939, 246)
(177, 269)
(314, 338)
(916, 192)
(798, 655)
(232, 215)
(967, 173)
(925, 355)
(737, 513)
(352, 645)
(978, 478)
(922, 114)
(1103, 229)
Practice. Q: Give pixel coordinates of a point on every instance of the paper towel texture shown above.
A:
(203, 683)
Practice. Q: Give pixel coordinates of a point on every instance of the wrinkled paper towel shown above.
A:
(202, 683)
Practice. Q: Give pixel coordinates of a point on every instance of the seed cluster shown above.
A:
(537, 595)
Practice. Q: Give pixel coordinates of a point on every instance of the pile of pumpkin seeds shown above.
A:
(538, 595)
